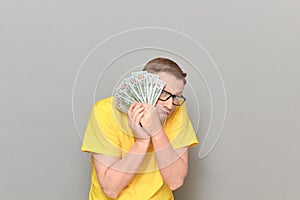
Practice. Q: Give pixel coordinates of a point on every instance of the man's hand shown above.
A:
(135, 113)
(150, 120)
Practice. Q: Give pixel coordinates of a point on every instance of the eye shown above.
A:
(164, 93)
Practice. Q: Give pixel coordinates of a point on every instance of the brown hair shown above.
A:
(165, 65)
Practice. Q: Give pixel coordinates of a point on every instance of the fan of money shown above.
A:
(141, 87)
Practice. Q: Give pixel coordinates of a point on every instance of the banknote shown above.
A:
(140, 77)
(123, 90)
(141, 86)
(157, 91)
(121, 103)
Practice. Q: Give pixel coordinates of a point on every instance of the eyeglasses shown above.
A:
(176, 100)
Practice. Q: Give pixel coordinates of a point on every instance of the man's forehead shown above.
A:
(173, 84)
(172, 91)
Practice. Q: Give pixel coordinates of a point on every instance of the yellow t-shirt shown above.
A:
(108, 133)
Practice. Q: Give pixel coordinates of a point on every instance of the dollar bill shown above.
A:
(151, 83)
(140, 87)
(124, 91)
(141, 81)
(159, 85)
(121, 103)
(134, 90)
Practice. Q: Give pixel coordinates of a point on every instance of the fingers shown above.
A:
(141, 112)
(146, 106)
(135, 112)
(138, 113)
(150, 110)
(131, 107)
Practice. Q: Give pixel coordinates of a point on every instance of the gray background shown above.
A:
(255, 44)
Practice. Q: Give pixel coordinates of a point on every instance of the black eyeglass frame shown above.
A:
(173, 96)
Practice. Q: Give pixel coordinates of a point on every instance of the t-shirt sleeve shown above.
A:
(101, 136)
(181, 132)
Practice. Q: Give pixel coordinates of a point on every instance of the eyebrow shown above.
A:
(177, 94)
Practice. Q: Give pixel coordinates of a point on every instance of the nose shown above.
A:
(169, 103)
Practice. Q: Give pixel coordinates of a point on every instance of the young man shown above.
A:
(142, 154)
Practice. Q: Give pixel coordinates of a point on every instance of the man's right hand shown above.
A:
(135, 113)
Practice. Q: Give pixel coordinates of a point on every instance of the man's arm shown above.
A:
(173, 163)
(113, 173)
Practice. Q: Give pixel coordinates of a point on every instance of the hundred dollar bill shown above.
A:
(123, 89)
(141, 81)
(118, 104)
(159, 85)
(153, 79)
(122, 103)
(140, 87)
(134, 90)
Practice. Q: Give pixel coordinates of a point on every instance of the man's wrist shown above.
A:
(144, 139)
(157, 134)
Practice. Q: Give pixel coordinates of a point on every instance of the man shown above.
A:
(142, 154)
